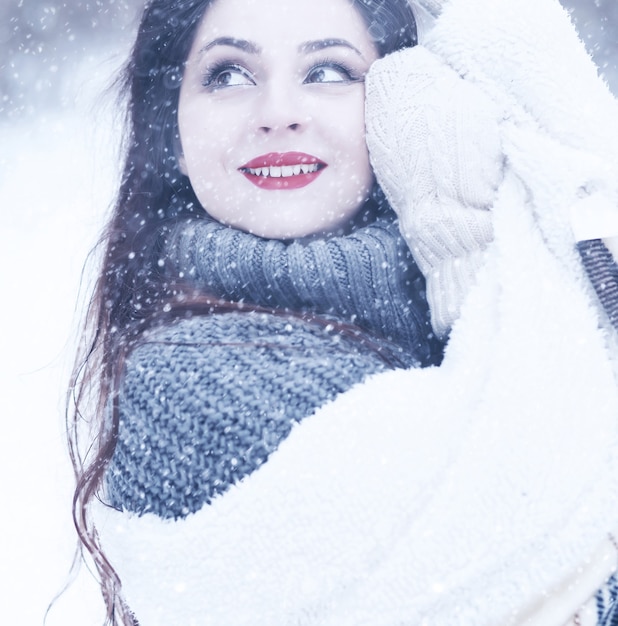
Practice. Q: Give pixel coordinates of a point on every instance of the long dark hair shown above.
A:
(132, 291)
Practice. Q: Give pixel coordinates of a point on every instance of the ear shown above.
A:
(180, 156)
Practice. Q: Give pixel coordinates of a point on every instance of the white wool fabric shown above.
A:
(435, 145)
(557, 131)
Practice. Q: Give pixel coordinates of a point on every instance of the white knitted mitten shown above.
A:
(434, 142)
(534, 98)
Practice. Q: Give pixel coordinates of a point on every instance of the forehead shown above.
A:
(285, 22)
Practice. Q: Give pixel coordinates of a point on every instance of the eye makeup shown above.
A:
(226, 73)
(346, 72)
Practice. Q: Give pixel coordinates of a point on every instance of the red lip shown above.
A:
(282, 159)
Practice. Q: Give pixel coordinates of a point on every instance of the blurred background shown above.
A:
(59, 128)
(42, 41)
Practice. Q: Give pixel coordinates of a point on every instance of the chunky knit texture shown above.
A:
(205, 401)
(368, 278)
(434, 142)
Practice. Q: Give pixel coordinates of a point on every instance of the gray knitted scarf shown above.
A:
(368, 278)
(206, 400)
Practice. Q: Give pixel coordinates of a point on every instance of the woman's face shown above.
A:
(271, 115)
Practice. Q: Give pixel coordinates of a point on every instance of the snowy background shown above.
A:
(58, 166)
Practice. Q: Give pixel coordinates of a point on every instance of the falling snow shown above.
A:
(57, 171)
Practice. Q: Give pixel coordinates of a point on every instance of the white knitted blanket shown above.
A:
(463, 494)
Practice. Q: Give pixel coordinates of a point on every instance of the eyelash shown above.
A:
(219, 68)
(211, 74)
(350, 75)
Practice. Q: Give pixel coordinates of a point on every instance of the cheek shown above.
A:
(352, 146)
(346, 126)
(205, 137)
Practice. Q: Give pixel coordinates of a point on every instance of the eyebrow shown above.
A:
(306, 47)
(241, 44)
(321, 44)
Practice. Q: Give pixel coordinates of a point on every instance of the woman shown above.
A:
(253, 276)
(246, 104)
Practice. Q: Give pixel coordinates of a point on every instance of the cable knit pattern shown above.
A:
(205, 401)
(435, 148)
(368, 277)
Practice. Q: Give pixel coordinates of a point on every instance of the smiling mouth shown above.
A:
(287, 170)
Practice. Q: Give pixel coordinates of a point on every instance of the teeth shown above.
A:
(284, 171)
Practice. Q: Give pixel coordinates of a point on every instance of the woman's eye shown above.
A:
(230, 76)
(329, 74)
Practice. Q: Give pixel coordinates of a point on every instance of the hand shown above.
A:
(558, 131)
(434, 141)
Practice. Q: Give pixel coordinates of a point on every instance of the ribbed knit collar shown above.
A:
(367, 277)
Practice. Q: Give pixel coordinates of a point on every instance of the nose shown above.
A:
(281, 109)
